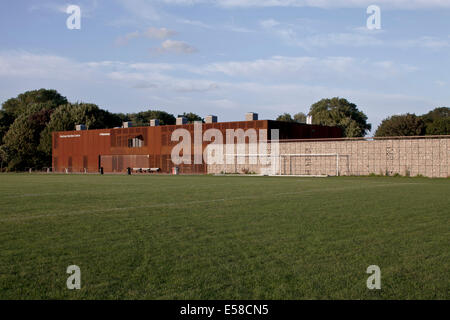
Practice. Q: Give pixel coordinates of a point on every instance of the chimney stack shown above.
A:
(211, 119)
(154, 122)
(251, 116)
(80, 127)
(127, 124)
(181, 120)
(309, 120)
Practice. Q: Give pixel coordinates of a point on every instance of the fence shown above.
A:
(408, 156)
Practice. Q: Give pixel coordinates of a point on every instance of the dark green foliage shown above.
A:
(21, 121)
(143, 118)
(401, 125)
(3, 157)
(300, 117)
(286, 117)
(439, 127)
(6, 119)
(15, 106)
(23, 137)
(341, 113)
(436, 114)
(191, 117)
(437, 121)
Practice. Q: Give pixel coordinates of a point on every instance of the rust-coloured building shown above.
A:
(150, 147)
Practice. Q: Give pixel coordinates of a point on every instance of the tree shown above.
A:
(3, 157)
(23, 137)
(286, 117)
(6, 119)
(191, 117)
(437, 121)
(143, 118)
(67, 116)
(15, 106)
(437, 113)
(300, 117)
(401, 125)
(341, 113)
(439, 127)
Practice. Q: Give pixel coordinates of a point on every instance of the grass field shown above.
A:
(204, 237)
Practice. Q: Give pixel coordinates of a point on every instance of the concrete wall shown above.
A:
(427, 156)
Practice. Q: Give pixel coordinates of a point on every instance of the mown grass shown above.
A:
(203, 237)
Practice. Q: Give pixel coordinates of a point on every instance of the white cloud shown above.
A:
(48, 6)
(123, 40)
(424, 42)
(158, 33)
(174, 46)
(338, 39)
(308, 68)
(239, 29)
(141, 9)
(274, 69)
(356, 37)
(195, 23)
(31, 66)
(269, 23)
(289, 36)
(151, 33)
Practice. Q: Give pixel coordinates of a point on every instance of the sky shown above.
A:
(229, 57)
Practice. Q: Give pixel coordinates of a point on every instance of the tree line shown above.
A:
(27, 121)
(353, 122)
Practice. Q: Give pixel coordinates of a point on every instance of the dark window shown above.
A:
(136, 142)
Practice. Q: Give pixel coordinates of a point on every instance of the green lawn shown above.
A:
(204, 237)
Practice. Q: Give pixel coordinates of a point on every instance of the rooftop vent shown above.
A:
(211, 119)
(127, 124)
(80, 127)
(154, 122)
(181, 120)
(251, 116)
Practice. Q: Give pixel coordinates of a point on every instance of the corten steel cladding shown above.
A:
(115, 150)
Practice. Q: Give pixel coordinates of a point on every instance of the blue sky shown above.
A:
(227, 57)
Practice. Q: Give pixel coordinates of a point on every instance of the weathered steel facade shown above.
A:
(150, 147)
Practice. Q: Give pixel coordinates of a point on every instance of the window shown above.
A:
(136, 142)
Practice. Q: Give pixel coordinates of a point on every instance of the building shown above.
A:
(149, 148)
